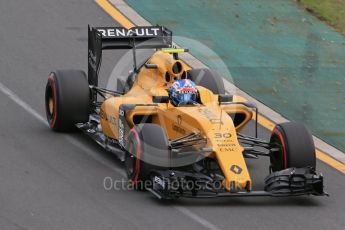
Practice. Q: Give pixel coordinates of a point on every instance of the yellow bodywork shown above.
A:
(209, 118)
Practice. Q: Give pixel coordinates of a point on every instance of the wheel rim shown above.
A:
(277, 156)
(51, 105)
(51, 101)
(278, 161)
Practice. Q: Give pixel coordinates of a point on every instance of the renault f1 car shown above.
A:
(193, 150)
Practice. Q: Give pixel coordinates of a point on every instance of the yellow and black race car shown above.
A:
(174, 149)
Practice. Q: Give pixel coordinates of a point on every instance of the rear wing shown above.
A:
(101, 38)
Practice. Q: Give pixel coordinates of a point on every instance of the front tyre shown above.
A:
(294, 147)
(148, 149)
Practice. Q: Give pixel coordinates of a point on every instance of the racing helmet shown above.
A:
(183, 92)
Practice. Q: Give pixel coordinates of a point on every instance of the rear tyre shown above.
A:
(295, 145)
(147, 147)
(207, 78)
(67, 99)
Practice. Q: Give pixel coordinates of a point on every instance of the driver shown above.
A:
(183, 92)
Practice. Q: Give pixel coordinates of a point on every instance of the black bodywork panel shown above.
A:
(101, 38)
(172, 184)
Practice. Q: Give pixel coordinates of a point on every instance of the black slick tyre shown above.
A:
(295, 145)
(147, 147)
(67, 99)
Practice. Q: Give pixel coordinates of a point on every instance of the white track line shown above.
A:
(196, 218)
(21, 103)
(74, 141)
(95, 156)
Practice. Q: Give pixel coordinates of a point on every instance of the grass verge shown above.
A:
(331, 11)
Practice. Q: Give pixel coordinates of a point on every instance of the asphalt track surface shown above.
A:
(55, 181)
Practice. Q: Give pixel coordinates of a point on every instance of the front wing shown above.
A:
(170, 184)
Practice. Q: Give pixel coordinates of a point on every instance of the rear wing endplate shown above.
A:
(143, 37)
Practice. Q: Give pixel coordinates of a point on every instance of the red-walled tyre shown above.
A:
(296, 147)
(147, 147)
(67, 99)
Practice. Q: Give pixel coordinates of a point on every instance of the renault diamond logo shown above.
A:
(236, 169)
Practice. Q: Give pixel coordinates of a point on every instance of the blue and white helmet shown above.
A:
(183, 92)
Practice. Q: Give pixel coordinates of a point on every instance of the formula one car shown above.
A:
(177, 149)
